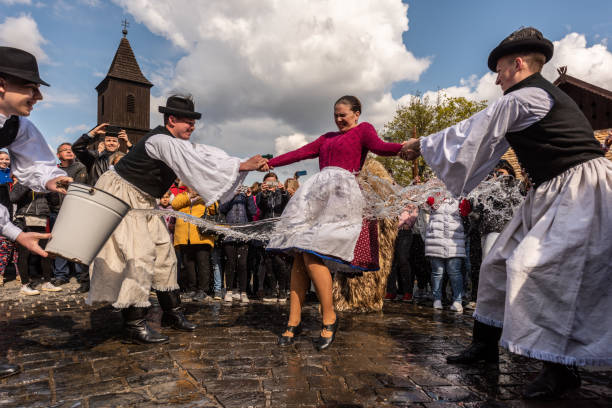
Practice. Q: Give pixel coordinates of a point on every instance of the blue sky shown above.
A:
(247, 111)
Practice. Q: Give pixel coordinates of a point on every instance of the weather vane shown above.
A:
(125, 25)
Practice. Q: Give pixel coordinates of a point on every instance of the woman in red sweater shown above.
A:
(324, 219)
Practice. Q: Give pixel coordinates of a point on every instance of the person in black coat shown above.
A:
(96, 161)
(237, 211)
(32, 215)
(271, 201)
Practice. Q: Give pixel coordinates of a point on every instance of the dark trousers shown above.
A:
(420, 263)
(401, 278)
(27, 258)
(277, 273)
(475, 262)
(235, 265)
(254, 269)
(196, 262)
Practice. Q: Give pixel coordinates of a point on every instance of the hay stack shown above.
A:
(365, 293)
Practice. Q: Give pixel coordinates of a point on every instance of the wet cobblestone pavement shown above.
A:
(71, 356)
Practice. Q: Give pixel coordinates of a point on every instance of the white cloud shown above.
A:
(76, 129)
(11, 2)
(22, 32)
(54, 96)
(591, 64)
(280, 63)
(284, 144)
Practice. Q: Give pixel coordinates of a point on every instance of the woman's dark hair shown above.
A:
(270, 174)
(351, 101)
(504, 164)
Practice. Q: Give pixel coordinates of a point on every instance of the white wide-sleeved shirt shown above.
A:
(462, 155)
(32, 162)
(208, 170)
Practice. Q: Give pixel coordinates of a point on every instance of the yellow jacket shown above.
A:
(186, 233)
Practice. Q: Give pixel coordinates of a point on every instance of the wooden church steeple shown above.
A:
(124, 94)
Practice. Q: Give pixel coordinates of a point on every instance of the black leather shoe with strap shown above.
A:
(284, 341)
(324, 342)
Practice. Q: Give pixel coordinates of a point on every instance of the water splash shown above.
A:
(497, 198)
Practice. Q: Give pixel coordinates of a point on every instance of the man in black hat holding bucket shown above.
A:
(32, 162)
(139, 255)
(543, 287)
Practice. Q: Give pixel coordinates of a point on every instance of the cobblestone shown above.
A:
(71, 356)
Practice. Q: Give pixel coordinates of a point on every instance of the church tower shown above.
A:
(124, 94)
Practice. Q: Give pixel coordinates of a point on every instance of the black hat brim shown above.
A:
(30, 77)
(179, 113)
(543, 46)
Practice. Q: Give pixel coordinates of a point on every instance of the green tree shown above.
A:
(427, 118)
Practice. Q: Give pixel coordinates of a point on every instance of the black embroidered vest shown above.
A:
(151, 176)
(9, 131)
(560, 140)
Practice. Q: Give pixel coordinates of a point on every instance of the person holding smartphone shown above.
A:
(271, 201)
(96, 161)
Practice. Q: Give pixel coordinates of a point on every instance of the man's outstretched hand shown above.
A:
(59, 184)
(256, 162)
(29, 240)
(411, 149)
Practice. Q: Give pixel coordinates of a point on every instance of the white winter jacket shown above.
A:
(445, 237)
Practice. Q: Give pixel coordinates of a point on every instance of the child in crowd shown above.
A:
(165, 205)
(445, 245)
(7, 247)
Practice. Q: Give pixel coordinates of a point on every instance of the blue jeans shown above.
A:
(452, 266)
(215, 260)
(61, 269)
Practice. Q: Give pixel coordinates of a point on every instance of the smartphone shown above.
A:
(271, 183)
(112, 130)
(301, 173)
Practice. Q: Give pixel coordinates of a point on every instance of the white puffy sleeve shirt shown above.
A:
(462, 155)
(32, 162)
(208, 170)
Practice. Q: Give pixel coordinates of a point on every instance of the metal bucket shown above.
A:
(87, 219)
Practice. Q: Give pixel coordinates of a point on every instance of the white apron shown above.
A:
(137, 257)
(547, 278)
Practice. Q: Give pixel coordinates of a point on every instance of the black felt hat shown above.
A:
(526, 39)
(20, 64)
(181, 107)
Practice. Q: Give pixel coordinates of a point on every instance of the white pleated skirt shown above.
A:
(324, 216)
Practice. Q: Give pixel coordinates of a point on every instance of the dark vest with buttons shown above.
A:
(9, 131)
(560, 140)
(151, 176)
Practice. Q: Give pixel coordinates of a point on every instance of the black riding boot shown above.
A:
(170, 303)
(552, 382)
(135, 327)
(483, 347)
